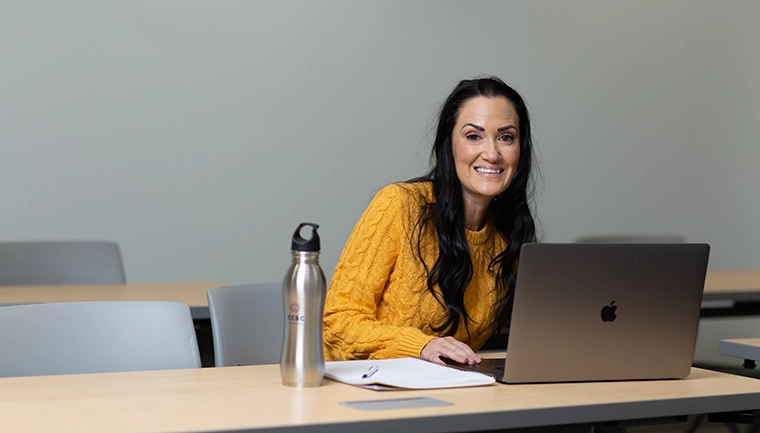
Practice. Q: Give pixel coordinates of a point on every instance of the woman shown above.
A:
(429, 269)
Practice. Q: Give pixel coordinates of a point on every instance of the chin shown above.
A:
(491, 193)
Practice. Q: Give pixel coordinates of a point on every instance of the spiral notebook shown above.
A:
(402, 373)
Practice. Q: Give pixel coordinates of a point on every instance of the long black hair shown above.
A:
(510, 211)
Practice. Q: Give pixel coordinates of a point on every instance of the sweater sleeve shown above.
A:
(351, 328)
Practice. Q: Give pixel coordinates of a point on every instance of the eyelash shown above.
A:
(505, 137)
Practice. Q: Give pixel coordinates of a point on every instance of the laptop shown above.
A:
(599, 312)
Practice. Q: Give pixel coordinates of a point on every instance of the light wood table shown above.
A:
(747, 349)
(252, 399)
(731, 293)
(732, 285)
(192, 294)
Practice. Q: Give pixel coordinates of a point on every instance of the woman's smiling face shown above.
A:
(486, 147)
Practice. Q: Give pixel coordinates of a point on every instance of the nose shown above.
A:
(491, 151)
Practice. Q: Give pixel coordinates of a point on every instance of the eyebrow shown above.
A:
(481, 129)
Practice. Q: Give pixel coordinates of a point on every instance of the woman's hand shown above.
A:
(451, 348)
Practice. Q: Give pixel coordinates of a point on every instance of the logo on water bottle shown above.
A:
(294, 317)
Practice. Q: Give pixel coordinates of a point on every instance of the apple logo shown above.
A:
(608, 312)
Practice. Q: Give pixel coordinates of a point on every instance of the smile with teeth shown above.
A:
(489, 170)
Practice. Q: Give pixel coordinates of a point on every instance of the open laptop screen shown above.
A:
(588, 312)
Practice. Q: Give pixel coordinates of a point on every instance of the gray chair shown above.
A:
(247, 323)
(632, 238)
(95, 337)
(60, 262)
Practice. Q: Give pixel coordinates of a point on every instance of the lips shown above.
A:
(489, 170)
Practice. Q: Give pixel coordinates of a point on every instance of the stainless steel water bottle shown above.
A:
(303, 362)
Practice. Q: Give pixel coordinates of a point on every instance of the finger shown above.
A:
(455, 350)
(436, 360)
(436, 349)
(464, 352)
(451, 348)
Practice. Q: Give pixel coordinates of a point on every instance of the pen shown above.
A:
(372, 370)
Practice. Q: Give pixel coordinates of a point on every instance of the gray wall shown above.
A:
(198, 134)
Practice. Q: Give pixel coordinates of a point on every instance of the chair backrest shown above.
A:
(94, 337)
(632, 239)
(60, 262)
(247, 323)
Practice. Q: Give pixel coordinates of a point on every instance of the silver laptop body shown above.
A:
(596, 312)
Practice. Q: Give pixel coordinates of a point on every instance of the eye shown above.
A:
(472, 136)
(509, 138)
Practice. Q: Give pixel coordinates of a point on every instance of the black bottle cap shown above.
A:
(301, 244)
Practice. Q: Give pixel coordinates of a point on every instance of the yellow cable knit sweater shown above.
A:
(378, 304)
